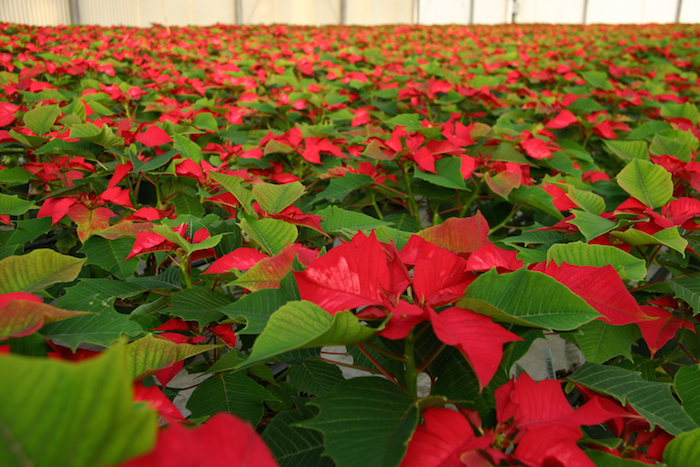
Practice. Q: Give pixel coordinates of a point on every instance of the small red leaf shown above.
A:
(165, 375)
(488, 256)
(440, 441)
(157, 401)
(478, 338)
(89, 220)
(602, 288)
(348, 276)
(536, 148)
(463, 235)
(562, 120)
(242, 259)
(7, 113)
(224, 332)
(658, 332)
(22, 314)
(221, 440)
(153, 136)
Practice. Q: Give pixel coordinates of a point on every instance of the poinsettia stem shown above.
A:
(472, 197)
(376, 207)
(410, 365)
(505, 220)
(430, 359)
(381, 369)
(348, 365)
(412, 206)
(388, 354)
(185, 268)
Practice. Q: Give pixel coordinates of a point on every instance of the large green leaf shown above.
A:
(274, 198)
(271, 234)
(590, 225)
(314, 377)
(582, 254)
(102, 328)
(651, 400)
(664, 145)
(339, 188)
(187, 148)
(41, 119)
(628, 150)
(647, 182)
(235, 393)
(255, 309)
(110, 254)
(147, 355)
(668, 237)
(37, 270)
(535, 196)
(198, 304)
(234, 186)
(336, 220)
(374, 433)
(688, 290)
(600, 341)
(686, 110)
(292, 445)
(94, 134)
(681, 450)
(687, 382)
(14, 205)
(302, 324)
(448, 174)
(598, 79)
(527, 298)
(174, 237)
(60, 414)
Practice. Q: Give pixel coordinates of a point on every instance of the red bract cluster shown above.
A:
(201, 226)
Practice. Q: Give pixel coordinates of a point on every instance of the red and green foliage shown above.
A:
(229, 202)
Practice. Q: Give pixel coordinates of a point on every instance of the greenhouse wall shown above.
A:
(143, 13)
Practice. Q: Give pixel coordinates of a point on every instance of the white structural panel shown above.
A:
(492, 11)
(142, 13)
(374, 12)
(550, 11)
(690, 11)
(445, 11)
(312, 12)
(35, 12)
(632, 11)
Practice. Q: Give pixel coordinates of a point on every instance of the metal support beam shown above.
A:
(416, 11)
(74, 11)
(343, 11)
(471, 11)
(678, 11)
(238, 10)
(585, 12)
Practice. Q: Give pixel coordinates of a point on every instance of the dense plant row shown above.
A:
(228, 201)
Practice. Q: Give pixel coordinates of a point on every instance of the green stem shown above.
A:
(376, 207)
(495, 228)
(185, 268)
(412, 206)
(347, 365)
(381, 369)
(472, 196)
(410, 365)
(384, 352)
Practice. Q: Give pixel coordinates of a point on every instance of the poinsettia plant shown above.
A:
(257, 210)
